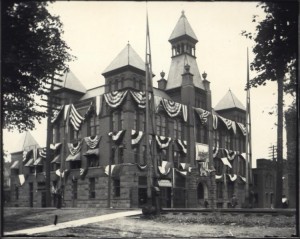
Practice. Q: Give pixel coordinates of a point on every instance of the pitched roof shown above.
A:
(70, 81)
(229, 101)
(127, 56)
(26, 142)
(177, 69)
(90, 93)
(182, 28)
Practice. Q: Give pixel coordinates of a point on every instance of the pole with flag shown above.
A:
(248, 134)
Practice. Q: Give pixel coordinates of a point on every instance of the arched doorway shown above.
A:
(202, 194)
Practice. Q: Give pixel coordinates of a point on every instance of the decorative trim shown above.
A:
(171, 107)
(92, 141)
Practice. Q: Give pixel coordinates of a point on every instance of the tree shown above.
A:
(33, 52)
(275, 50)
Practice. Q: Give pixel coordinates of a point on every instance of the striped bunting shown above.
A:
(75, 118)
(111, 169)
(136, 136)
(203, 115)
(115, 98)
(215, 121)
(55, 146)
(118, 136)
(227, 122)
(182, 145)
(42, 152)
(75, 148)
(185, 166)
(141, 167)
(215, 151)
(242, 128)
(184, 173)
(140, 98)
(172, 108)
(219, 176)
(98, 104)
(56, 114)
(162, 141)
(92, 141)
(184, 113)
(231, 155)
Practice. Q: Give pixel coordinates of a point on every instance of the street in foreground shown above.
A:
(168, 225)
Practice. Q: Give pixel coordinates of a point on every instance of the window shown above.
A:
(75, 164)
(56, 134)
(219, 190)
(117, 189)
(143, 121)
(115, 119)
(242, 167)
(94, 126)
(230, 189)
(178, 129)
(17, 192)
(121, 120)
(144, 155)
(121, 154)
(93, 160)
(227, 141)
(158, 125)
(218, 166)
(216, 138)
(92, 193)
(163, 125)
(74, 188)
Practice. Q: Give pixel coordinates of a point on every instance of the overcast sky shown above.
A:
(98, 31)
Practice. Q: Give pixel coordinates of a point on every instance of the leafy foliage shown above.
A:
(32, 52)
(276, 41)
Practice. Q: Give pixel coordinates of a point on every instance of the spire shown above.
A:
(71, 82)
(183, 28)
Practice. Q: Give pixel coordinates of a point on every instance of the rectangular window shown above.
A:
(93, 161)
(121, 154)
(176, 160)
(121, 121)
(117, 189)
(216, 138)
(175, 129)
(75, 164)
(163, 126)
(115, 121)
(135, 120)
(74, 188)
(144, 155)
(92, 192)
(158, 125)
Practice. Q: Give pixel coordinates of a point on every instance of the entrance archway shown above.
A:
(202, 194)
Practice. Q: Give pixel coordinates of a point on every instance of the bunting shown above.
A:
(182, 145)
(219, 176)
(227, 122)
(162, 141)
(98, 104)
(215, 151)
(226, 162)
(59, 173)
(75, 118)
(185, 166)
(172, 108)
(111, 169)
(118, 136)
(203, 115)
(243, 179)
(215, 121)
(243, 155)
(92, 141)
(232, 177)
(231, 155)
(140, 98)
(115, 98)
(136, 136)
(184, 113)
(242, 128)
(157, 101)
(234, 127)
(83, 172)
(184, 173)
(141, 167)
(74, 148)
(66, 111)
(56, 114)
(21, 179)
(165, 168)
(55, 146)
(42, 152)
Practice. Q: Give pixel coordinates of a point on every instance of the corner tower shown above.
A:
(183, 41)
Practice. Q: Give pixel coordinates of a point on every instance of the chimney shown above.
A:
(206, 83)
(162, 83)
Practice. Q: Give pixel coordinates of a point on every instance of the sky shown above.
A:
(97, 31)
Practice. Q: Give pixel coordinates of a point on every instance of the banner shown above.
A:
(56, 114)
(227, 122)
(202, 152)
(242, 128)
(203, 115)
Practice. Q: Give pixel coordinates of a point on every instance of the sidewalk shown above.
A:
(75, 223)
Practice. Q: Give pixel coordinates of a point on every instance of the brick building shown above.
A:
(197, 151)
(264, 183)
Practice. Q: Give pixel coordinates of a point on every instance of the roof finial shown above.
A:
(182, 13)
(128, 43)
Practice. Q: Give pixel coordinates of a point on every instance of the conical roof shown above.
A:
(70, 81)
(182, 28)
(126, 57)
(26, 142)
(229, 101)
